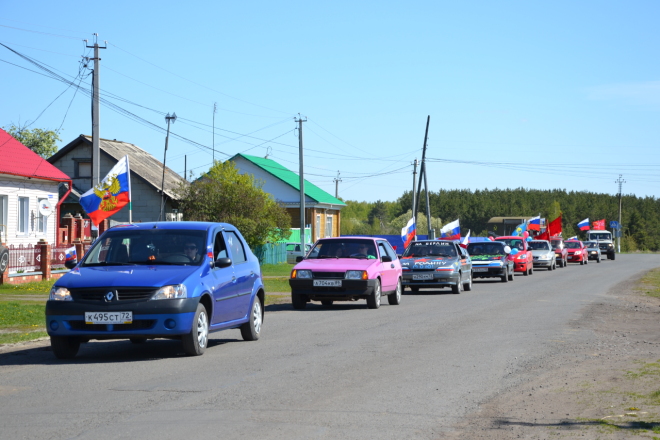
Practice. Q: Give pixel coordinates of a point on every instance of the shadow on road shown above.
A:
(99, 352)
(577, 424)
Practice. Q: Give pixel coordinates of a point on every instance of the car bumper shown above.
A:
(152, 319)
(488, 271)
(542, 263)
(520, 266)
(594, 256)
(349, 289)
(575, 258)
(440, 279)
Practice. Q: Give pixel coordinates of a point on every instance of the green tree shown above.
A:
(225, 195)
(42, 142)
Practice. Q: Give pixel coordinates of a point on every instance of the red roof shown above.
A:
(18, 160)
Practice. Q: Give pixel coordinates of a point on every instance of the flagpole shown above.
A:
(130, 196)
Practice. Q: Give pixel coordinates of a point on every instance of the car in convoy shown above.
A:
(490, 260)
(605, 243)
(561, 253)
(577, 253)
(174, 280)
(520, 253)
(593, 250)
(293, 252)
(347, 269)
(436, 263)
(543, 254)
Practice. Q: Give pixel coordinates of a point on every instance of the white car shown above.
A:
(293, 251)
(543, 254)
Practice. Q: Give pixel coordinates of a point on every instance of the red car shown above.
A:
(522, 259)
(561, 252)
(576, 252)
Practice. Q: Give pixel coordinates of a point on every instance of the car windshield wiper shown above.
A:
(109, 263)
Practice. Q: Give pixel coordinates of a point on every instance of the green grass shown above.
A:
(280, 284)
(280, 270)
(36, 288)
(21, 315)
(12, 338)
(650, 283)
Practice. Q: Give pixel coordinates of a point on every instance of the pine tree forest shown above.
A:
(640, 217)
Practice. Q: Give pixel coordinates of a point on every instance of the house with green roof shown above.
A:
(322, 210)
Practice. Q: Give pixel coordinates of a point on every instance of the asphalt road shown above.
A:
(401, 372)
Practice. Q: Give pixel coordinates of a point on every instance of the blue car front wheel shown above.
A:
(195, 342)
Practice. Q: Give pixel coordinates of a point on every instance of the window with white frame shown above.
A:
(328, 226)
(318, 226)
(42, 220)
(4, 202)
(23, 226)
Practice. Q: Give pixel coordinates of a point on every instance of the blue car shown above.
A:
(175, 280)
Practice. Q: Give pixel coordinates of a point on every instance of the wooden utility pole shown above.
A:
(337, 180)
(300, 120)
(422, 173)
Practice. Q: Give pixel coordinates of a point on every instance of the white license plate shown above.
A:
(480, 269)
(422, 276)
(108, 317)
(327, 283)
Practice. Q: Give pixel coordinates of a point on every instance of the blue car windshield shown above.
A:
(129, 247)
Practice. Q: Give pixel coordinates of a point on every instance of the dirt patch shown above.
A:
(605, 388)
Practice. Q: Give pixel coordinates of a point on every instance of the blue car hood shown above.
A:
(133, 276)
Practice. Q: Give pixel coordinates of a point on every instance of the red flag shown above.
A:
(554, 228)
(543, 236)
(599, 225)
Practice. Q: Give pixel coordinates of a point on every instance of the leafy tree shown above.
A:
(225, 195)
(42, 142)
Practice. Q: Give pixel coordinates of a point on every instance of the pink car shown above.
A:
(347, 269)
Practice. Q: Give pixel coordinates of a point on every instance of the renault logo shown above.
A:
(109, 296)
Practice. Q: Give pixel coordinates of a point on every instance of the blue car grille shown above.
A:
(122, 293)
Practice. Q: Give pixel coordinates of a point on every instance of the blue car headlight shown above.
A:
(172, 292)
(60, 294)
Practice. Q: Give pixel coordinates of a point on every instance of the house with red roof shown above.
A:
(29, 194)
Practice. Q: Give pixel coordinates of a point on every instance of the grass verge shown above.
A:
(276, 270)
(650, 283)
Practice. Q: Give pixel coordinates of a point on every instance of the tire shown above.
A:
(138, 340)
(458, 287)
(526, 272)
(531, 270)
(468, 286)
(4, 259)
(613, 256)
(598, 261)
(65, 347)
(373, 300)
(299, 302)
(327, 303)
(582, 262)
(252, 329)
(394, 299)
(505, 277)
(195, 342)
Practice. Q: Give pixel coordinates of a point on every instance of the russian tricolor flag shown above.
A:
(409, 232)
(534, 224)
(110, 195)
(71, 254)
(584, 225)
(465, 240)
(451, 231)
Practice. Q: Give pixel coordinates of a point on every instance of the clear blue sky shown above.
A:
(538, 95)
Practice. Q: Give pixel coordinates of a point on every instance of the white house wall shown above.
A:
(280, 190)
(14, 187)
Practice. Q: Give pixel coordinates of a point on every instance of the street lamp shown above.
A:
(169, 119)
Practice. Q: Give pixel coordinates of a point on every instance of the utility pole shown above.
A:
(422, 173)
(169, 119)
(413, 193)
(96, 138)
(337, 180)
(620, 181)
(300, 121)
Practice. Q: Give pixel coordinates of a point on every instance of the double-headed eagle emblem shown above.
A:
(107, 192)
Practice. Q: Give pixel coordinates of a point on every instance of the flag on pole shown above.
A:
(519, 230)
(584, 225)
(408, 232)
(110, 195)
(599, 225)
(554, 228)
(465, 240)
(572, 238)
(71, 254)
(451, 231)
(534, 223)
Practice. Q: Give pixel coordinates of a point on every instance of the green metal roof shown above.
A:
(312, 191)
